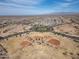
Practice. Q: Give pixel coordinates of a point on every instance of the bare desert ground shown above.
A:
(39, 37)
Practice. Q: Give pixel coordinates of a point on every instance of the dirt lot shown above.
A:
(33, 38)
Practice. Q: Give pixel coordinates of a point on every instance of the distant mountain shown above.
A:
(65, 13)
(59, 14)
(53, 13)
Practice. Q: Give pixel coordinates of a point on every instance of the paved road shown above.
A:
(67, 35)
(26, 32)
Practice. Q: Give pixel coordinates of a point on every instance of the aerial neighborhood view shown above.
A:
(39, 29)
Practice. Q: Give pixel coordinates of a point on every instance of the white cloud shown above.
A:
(13, 11)
(65, 4)
(68, 4)
(26, 2)
(21, 3)
(12, 5)
(16, 7)
(26, 7)
(69, 0)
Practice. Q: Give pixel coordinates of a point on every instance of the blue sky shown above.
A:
(37, 7)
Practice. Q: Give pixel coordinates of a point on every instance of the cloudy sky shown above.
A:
(37, 7)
